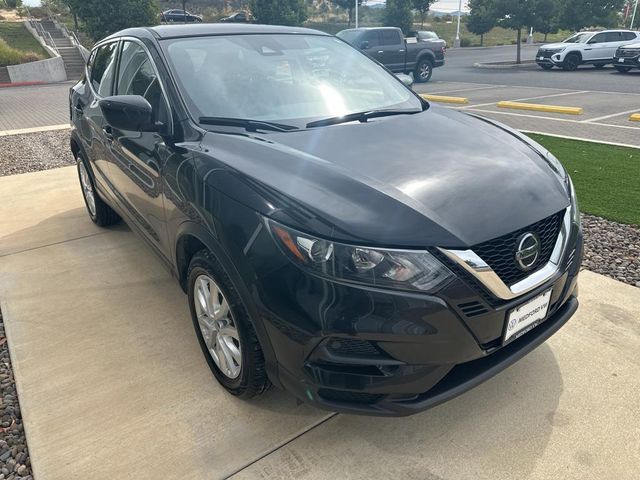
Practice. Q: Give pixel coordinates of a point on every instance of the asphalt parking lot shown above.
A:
(605, 117)
(120, 390)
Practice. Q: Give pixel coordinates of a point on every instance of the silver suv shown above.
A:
(596, 48)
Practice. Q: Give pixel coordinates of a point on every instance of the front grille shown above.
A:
(500, 253)
(545, 53)
(353, 347)
(349, 397)
(627, 53)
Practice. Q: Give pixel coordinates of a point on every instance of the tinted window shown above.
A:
(372, 37)
(628, 36)
(614, 37)
(390, 37)
(103, 69)
(138, 77)
(598, 38)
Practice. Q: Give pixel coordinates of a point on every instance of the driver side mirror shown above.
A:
(406, 79)
(364, 45)
(128, 112)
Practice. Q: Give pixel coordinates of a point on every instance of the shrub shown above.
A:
(465, 42)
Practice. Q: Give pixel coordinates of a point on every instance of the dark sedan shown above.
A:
(175, 15)
(336, 235)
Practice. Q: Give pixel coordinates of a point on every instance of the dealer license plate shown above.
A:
(541, 58)
(525, 317)
(621, 60)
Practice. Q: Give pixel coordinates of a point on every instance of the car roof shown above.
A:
(162, 32)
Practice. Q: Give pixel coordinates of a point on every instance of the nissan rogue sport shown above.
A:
(336, 235)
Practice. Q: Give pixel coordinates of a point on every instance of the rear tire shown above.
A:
(622, 69)
(571, 62)
(224, 329)
(423, 72)
(100, 213)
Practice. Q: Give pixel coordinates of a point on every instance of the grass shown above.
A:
(17, 45)
(607, 178)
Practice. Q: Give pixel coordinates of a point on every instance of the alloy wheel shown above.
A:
(217, 326)
(424, 71)
(87, 189)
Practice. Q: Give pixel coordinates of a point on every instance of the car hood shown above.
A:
(631, 45)
(551, 46)
(435, 178)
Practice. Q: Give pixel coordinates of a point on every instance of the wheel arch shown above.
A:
(192, 237)
(574, 52)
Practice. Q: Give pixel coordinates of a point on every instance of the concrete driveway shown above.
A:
(112, 383)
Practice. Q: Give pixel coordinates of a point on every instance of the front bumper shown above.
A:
(549, 58)
(364, 350)
(633, 62)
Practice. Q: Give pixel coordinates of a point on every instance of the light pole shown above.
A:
(633, 16)
(457, 41)
(357, 13)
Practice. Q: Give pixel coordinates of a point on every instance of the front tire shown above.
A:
(571, 62)
(224, 329)
(622, 69)
(423, 71)
(101, 214)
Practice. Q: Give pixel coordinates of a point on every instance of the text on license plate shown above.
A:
(525, 317)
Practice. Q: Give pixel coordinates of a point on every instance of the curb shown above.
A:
(444, 99)
(21, 84)
(635, 117)
(526, 64)
(541, 108)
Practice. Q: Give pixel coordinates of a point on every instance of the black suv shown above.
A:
(336, 234)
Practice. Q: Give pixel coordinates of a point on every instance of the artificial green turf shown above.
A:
(607, 178)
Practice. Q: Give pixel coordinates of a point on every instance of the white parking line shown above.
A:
(590, 140)
(491, 87)
(604, 117)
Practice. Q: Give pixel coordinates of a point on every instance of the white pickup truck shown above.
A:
(595, 48)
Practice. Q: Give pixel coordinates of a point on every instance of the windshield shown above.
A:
(578, 38)
(290, 79)
(427, 35)
(349, 35)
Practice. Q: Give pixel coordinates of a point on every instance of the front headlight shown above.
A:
(384, 268)
(557, 50)
(575, 208)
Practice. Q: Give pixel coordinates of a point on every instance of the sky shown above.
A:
(441, 5)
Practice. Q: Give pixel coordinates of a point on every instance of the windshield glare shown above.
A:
(281, 78)
(578, 38)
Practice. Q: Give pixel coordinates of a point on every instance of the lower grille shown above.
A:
(472, 309)
(352, 347)
(500, 253)
(349, 397)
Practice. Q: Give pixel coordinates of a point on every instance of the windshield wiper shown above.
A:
(360, 117)
(248, 124)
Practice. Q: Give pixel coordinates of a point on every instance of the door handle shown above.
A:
(108, 132)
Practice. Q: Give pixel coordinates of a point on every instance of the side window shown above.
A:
(103, 68)
(614, 37)
(598, 38)
(390, 37)
(371, 37)
(628, 36)
(138, 77)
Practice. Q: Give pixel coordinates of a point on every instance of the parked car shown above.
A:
(239, 17)
(627, 57)
(176, 15)
(426, 36)
(335, 234)
(596, 48)
(388, 46)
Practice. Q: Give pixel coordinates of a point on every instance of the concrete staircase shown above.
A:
(4, 75)
(73, 61)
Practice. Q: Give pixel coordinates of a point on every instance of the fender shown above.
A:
(197, 231)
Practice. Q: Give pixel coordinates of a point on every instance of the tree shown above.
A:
(349, 6)
(102, 18)
(398, 13)
(422, 6)
(72, 5)
(516, 14)
(577, 14)
(13, 3)
(482, 18)
(279, 12)
(546, 19)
